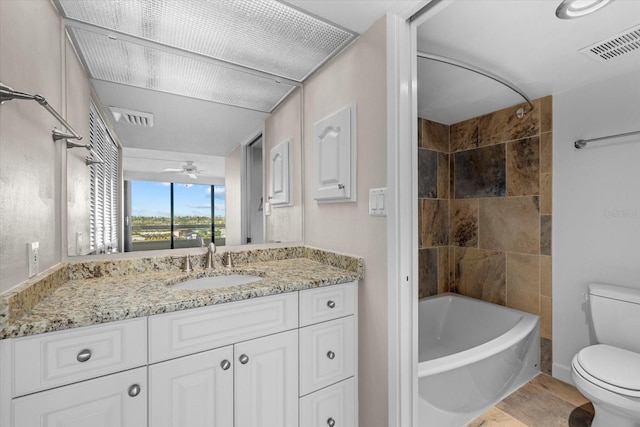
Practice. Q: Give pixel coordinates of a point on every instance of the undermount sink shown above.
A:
(217, 281)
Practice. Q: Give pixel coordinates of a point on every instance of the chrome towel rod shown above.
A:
(581, 143)
(7, 94)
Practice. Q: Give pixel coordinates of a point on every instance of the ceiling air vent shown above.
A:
(614, 47)
(136, 118)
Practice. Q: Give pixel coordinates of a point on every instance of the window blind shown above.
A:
(104, 186)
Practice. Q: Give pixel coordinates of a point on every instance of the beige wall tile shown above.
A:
(433, 222)
(545, 234)
(523, 167)
(545, 194)
(523, 282)
(435, 136)
(420, 133)
(546, 152)
(427, 272)
(443, 176)
(545, 317)
(510, 224)
(545, 276)
(546, 114)
(464, 135)
(481, 274)
(464, 222)
(503, 125)
(443, 269)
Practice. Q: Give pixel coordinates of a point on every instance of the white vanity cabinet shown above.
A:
(285, 360)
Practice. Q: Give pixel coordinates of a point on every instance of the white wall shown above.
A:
(32, 60)
(285, 222)
(233, 208)
(357, 74)
(596, 203)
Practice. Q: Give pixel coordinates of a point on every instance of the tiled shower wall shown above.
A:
(484, 188)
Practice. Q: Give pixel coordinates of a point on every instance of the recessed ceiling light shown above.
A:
(570, 9)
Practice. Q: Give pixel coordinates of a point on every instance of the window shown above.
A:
(174, 215)
(104, 187)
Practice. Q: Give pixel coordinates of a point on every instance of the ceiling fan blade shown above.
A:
(171, 170)
(192, 175)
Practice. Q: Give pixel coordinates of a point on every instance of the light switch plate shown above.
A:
(378, 201)
(33, 258)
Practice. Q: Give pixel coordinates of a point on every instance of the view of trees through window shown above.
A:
(173, 215)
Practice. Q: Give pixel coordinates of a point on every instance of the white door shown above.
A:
(266, 381)
(193, 391)
(118, 400)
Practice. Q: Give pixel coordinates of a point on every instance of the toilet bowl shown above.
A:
(608, 373)
(610, 378)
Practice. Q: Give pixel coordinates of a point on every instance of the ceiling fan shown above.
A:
(188, 169)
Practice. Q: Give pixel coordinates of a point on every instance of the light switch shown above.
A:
(378, 201)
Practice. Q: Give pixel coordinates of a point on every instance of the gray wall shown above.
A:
(34, 56)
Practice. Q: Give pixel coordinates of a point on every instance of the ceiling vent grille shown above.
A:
(136, 118)
(614, 47)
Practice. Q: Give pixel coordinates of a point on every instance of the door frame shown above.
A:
(244, 184)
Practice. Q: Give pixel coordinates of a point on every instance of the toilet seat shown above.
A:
(610, 368)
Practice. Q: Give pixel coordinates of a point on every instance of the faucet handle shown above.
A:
(212, 247)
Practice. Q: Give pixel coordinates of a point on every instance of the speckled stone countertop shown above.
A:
(88, 301)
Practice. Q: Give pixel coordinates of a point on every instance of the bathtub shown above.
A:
(471, 355)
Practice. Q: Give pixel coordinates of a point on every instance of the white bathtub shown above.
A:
(471, 355)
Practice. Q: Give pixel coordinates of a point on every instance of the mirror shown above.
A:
(194, 154)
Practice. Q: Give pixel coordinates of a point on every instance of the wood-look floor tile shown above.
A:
(537, 408)
(564, 391)
(494, 417)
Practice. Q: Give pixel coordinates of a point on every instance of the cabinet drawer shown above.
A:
(59, 358)
(337, 403)
(185, 332)
(331, 302)
(327, 354)
(111, 401)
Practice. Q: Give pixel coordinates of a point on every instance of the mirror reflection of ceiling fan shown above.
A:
(189, 169)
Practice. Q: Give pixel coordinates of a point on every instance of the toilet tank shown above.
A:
(615, 314)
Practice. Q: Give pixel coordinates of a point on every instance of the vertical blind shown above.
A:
(104, 186)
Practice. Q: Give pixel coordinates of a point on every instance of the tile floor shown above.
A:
(542, 402)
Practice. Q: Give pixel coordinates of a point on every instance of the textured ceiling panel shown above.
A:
(145, 67)
(265, 35)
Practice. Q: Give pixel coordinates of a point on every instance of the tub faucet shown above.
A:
(210, 252)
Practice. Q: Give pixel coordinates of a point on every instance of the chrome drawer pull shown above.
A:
(84, 355)
(225, 364)
(331, 355)
(331, 422)
(244, 359)
(134, 390)
(331, 304)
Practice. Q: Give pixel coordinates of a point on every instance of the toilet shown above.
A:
(608, 373)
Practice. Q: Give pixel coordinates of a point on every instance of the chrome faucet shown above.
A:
(227, 259)
(212, 250)
(187, 264)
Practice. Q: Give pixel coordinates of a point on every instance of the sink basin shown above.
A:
(216, 282)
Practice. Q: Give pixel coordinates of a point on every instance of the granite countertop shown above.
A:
(89, 301)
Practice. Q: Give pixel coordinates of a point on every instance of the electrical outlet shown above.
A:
(79, 243)
(33, 257)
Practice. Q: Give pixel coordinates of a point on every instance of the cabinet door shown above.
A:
(331, 406)
(266, 381)
(280, 174)
(193, 391)
(118, 400)
(334, 156)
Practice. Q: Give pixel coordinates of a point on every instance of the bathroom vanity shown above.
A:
(288, 358)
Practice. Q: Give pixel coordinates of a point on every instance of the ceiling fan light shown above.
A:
(570, 9)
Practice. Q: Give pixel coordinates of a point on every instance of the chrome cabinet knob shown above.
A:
(244, 359)
(225, 364)
(331, 304)
(84, 355)
(331, 355)
(134, 390)
(331, 422)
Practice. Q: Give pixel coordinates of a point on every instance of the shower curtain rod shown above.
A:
(7, 94)
(520, 112)
(581, 143)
